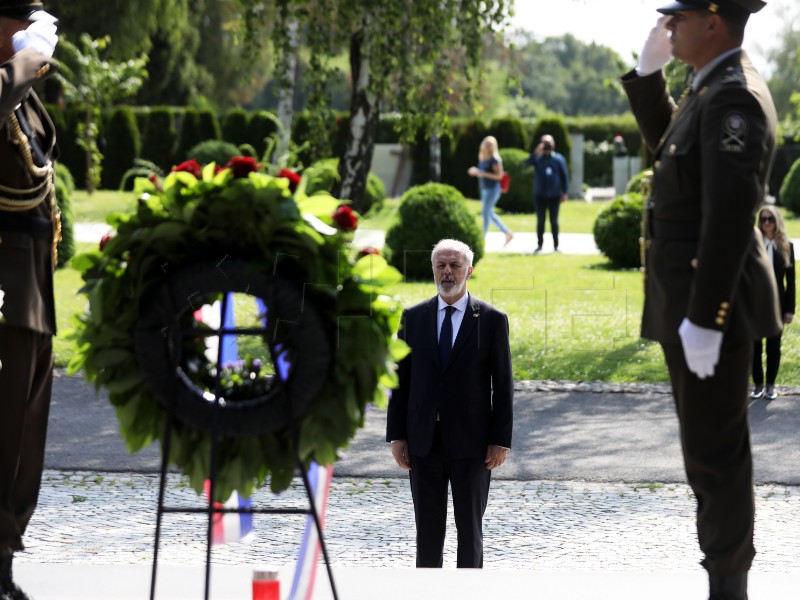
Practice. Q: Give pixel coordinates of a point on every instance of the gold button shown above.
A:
(672, 148)
(725, 305)
(694, 263)
(657, 164)
(722, 312)
(719, 321)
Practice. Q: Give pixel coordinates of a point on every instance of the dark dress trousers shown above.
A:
(473, 397)
(785, 278)
(26, 277)
(706, 261)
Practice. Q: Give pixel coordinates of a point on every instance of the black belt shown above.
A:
(38, 227)
(674, 230)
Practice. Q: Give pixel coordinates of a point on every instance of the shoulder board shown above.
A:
(733, 76)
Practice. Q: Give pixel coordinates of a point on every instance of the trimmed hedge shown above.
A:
(555, 126)
(427, 214)
(65, 186)
(234, 127)
(790, 188)
(510, 133)
(215, 151)
(123, 146)
(160, 138)
(323, 176)
(519, 197)
(469, 134)
(617, 230)
(260, 127)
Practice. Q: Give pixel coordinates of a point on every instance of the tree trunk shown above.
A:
(286, 97)
(356, 161)
(435, 157)
(90, 145)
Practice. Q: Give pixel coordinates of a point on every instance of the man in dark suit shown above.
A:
(709, 289)
(28, 230)
(450, 418)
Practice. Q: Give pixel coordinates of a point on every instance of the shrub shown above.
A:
(123, 146)
(428, 213)
(160, 138)
(556, 127)
(510, 133)
(519, 197)
(189, 135)
(598, 164)
(70, 153)
(465, 155)
(262, 125)
(790, 189)
(65, 186)
(215, 151)
(208, 125)
(617, 230)
(635, 184)
(323, 176)
(234, 127)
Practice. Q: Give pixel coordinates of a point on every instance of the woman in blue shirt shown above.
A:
(490, 171)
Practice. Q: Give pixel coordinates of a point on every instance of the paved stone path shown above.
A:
(109, 518)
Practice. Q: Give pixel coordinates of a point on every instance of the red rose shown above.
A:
(345, 218)
(190, 166)
(104, 240)
(367, 250)
(294, 178)
(242, 166)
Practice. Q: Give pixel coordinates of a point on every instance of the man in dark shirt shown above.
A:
(550, 186)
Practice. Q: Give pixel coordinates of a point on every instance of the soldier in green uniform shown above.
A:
(709, 290)
(29, 228)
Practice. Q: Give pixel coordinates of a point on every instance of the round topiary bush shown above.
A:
(635, 184)
(519, 197)
(215, 151)
(65, 186)
(617, 230)
(322, 177)
(790, 189)
(427, 214)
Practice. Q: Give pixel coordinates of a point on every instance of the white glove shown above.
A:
(40, 36)
(700, 347)
(657, 50)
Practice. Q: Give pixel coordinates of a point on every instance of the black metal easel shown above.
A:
(177, 334)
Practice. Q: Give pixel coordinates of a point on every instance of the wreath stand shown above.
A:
(159, 352)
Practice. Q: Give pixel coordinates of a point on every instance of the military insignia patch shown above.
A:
(734, 133)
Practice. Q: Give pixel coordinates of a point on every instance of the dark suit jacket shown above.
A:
(712, 158)
(26, 260)
(785, 278)
(473, 394)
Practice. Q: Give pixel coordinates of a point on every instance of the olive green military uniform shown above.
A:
(27, 231)
(705, 262)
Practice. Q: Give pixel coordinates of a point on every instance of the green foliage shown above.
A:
(123, 146)
(510, 133)
(599, 129)
(261, 126)
(519, 197)
(160, 138)
(65, 186)
(420, 152)
(598, 164)
(215, 151)
(790, 189)
(617, 230)
(323, 176)
(234, 127)
(557, 127)
(469, 136)
(140, 168)
(635, 184)
(89, 80)
(208, 125)
(190, 134)
(427, 214)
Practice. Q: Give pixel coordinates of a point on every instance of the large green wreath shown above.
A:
(251, 215)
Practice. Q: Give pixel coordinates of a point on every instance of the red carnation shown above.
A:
(345, 218)
(104, 240)
(190, 166)
(242, 166)
(367, 250)
(294, 178)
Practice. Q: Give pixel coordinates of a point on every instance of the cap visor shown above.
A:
(671, 9)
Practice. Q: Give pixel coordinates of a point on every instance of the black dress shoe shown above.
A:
(8, 589)
(727, 587)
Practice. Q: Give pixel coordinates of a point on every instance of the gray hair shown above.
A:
(455, 246)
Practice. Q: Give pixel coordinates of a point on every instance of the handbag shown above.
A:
(505, 181)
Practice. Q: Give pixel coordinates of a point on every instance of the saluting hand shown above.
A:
(495, 456)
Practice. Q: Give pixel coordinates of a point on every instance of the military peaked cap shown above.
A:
(736, 11)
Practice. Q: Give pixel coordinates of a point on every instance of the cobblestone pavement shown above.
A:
(108, 519)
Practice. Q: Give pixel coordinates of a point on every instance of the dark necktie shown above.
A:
(446, 337)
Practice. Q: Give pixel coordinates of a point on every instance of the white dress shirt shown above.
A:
(460, 306)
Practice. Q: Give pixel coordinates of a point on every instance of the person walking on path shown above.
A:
(450, 419)
(29, 229)
(781, 253)
(709, 289)
(490, 171)
(550, 186)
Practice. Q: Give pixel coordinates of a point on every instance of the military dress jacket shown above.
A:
(26, 237)
(705, 260)
(472, 395)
